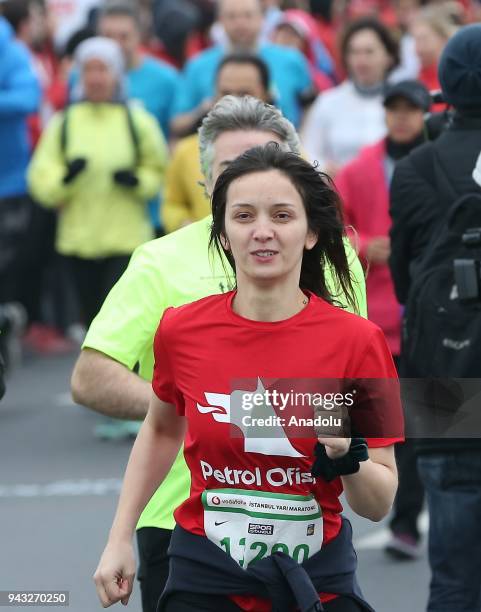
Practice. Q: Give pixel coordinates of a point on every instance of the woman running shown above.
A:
(262, 528)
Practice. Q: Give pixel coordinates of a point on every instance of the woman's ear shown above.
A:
(311, 240)
(224, 242)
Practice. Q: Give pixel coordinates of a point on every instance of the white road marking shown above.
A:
(63, 488)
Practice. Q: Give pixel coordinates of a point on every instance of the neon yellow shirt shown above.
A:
(169, 271)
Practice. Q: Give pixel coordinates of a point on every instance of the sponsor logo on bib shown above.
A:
(258, 529)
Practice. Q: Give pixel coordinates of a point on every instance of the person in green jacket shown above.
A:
(98, 163)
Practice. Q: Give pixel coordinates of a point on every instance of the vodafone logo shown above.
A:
(215, 500)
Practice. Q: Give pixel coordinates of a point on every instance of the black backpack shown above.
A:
(441, 332)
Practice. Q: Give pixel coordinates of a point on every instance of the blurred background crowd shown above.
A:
(99, 106)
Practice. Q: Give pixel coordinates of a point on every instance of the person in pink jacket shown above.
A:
(364, 187)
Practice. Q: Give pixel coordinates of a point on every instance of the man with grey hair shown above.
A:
(171, 271)
(225, 118)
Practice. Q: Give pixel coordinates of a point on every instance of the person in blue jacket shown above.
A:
(242, 22)
(19, 97)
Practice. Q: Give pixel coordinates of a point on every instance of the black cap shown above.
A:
(410, 90)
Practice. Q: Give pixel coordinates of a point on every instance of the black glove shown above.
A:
(126, 178)
(74, 168)
(348, 464)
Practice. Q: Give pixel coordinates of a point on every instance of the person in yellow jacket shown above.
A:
(185, 199)
(98, 163)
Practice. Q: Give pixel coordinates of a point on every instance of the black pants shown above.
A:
(27, 234)
(93, 279)
(153, 565)
(192, 602)
(15, 223)
(410, 494)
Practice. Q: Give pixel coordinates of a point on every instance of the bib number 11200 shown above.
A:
(260, 549)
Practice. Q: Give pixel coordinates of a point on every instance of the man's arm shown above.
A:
(184, 124)
(120, 336)
(107, 386)
(20, 93)
(414, 206)
(401, 234)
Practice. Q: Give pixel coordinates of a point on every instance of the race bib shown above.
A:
(251, 525)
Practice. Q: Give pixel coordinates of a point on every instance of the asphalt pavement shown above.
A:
(59, 488)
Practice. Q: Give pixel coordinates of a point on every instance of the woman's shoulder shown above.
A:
(343, 90)
(140, 115)
(204, 310)
(331, 98)
(342, 319)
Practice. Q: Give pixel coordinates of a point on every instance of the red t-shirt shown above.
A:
(201, 350)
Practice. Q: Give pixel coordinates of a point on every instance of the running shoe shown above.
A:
(403, 546)
(46, 340)
(113, 429)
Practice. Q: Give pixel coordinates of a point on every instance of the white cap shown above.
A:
(103, 49)
(108, 52)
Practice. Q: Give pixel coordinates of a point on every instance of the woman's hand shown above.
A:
(378, 250)
(114, 577)
(336, 447)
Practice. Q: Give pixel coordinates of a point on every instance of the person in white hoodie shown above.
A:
(350, 116)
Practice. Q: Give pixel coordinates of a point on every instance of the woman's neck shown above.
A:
(268, 303)
(369, 91)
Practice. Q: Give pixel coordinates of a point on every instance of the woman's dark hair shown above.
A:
(16, 12)
(385, 35)
(323, 210)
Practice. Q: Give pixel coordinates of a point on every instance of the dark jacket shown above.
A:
(418, 206)
(197, 565)
(420, 198)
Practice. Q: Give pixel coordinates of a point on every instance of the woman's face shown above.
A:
(429, 44)
(266, 228)
(98, 81)
(367, 59)
(406, 12)
(286, 36)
